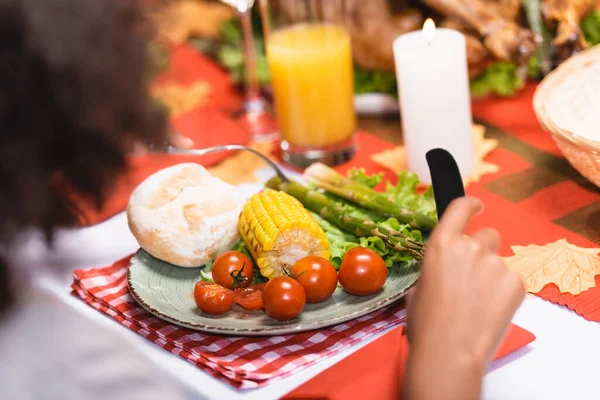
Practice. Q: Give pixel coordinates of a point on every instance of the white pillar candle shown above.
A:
(433, 87)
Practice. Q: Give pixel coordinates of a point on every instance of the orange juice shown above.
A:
(311, 74)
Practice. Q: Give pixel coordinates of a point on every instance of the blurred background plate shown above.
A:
(167, 292)
(375, 104)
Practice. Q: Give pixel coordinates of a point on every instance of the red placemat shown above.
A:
(242, 362)
(384, 362)
(537, 197)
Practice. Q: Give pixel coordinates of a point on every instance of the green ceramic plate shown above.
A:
(167, 292)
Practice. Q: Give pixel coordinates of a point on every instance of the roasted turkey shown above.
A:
(566, 16)
(494, 29)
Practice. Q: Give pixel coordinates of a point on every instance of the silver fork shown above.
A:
(168, 149)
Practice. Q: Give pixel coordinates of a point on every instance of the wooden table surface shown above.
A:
(384, 127)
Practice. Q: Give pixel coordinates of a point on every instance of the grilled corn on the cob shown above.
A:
(279, 231)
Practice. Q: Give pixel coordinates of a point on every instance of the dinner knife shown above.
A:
(445, 178)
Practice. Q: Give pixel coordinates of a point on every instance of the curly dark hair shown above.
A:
(73, 99)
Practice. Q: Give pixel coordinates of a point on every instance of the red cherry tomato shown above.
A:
(212, 298)
(250, 298)
(233, 269)
(284, 298)
(363, 272)
(317, 276)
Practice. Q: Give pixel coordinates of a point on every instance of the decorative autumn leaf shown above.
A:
(180, 20)
(392, 159)
(179, 99)
(242, 167)
(570, 267)
(483, 147)
(395, 159)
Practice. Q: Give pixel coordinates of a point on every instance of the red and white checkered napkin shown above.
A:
(244, 362)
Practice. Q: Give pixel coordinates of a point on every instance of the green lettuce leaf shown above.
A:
(534, 68)
(231, 31)
(591, 28)
(405, 193)
(359, 175)
(340, 242)
(391, 256)
(501, 79)
(369, 81)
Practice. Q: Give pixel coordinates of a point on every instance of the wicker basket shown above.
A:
(567, 104)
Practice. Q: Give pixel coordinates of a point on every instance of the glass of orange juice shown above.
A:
(310, 62)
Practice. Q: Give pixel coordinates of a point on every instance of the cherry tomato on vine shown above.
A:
(213, 298)
(284, 298)
(317, 276)
(363, 272)
(233, 269)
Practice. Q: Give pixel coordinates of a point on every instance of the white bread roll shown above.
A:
(184, 216)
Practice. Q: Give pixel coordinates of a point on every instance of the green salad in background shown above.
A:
(501, 78)
(504, 79)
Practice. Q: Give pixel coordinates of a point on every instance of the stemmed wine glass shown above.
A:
(255, 112)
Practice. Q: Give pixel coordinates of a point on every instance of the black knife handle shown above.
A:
(445, 178)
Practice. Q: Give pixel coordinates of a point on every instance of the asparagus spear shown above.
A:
(336, 214)
(335, 183)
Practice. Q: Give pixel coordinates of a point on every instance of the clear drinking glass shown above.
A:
(310, 62)
(255, 110)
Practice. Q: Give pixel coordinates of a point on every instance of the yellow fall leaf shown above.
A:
(571, 268)
(180, 99)
(483, 147)
(242, 166)
(392, 159)
(183, 19)
(395, 159)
